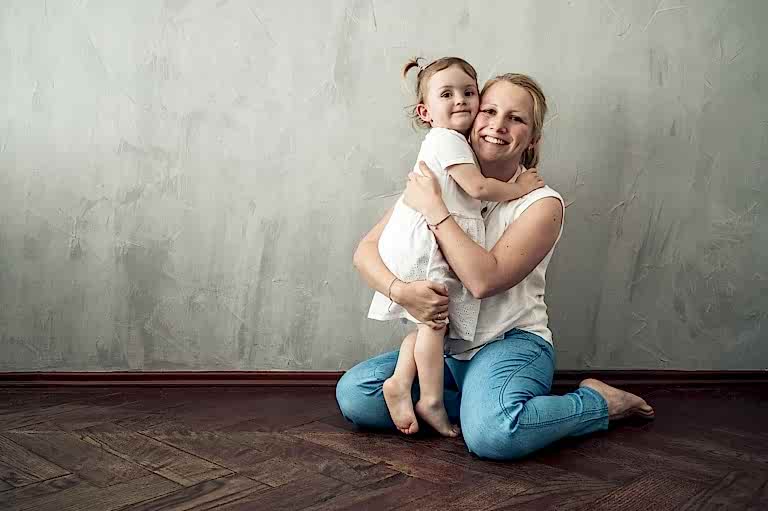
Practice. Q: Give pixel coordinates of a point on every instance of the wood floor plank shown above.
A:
(295, 495)
(5, 486)
(737, 490)
(736, 450)
(276, 472)
(292, 453)
(260, 409)
(75, 455)
(206, 495)
(174, 464)
(13, 499)
(407, 459)
(20, 467)
(24, 418)
(649, 458)
(560, 493)
(20, 399)
(86, 497)
(89, 415)
(213, 446)
(389, 493)
(480, 496)
(658, 491)
(578, 457)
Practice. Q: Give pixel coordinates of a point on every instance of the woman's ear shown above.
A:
(423, 113)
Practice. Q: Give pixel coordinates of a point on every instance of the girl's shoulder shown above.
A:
(445, 134)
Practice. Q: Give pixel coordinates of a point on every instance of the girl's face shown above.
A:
(451, 100)
(504, 127)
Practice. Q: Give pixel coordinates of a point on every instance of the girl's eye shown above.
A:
(469, 93)
(489, 111)
(445, 95)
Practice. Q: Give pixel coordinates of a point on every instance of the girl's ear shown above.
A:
(423, 113)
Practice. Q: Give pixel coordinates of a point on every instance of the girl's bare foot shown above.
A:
(621, 404)
(400, 406)
(434, 413)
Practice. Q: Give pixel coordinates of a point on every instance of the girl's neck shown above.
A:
(501, 170)
(466, 135)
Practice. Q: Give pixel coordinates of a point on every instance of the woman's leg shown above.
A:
(360, 394)
(505, 410)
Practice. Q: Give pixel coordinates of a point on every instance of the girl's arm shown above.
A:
(424, 299)
(477, 186)
(520, 249)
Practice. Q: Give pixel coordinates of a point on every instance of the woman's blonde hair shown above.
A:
(530, 156)
(425, 73)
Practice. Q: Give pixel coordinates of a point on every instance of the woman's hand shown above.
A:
(425, 300)
(424, 195)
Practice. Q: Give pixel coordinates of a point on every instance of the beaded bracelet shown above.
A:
(389, 293)
(432, 226)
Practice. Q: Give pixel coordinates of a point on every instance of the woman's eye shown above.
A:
(489, 111)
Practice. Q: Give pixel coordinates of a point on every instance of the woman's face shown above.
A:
(504, 126)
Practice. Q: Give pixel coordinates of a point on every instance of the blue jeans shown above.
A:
(499, 397)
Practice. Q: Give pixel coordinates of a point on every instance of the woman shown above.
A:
(497, 385)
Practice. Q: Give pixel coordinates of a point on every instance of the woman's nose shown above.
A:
(499, 127)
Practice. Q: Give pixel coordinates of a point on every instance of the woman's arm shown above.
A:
(423, 299)
(520, 249)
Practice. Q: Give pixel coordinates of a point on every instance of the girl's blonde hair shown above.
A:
(425, 73)
(530, 156)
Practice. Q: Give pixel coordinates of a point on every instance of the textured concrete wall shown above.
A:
(182, 184)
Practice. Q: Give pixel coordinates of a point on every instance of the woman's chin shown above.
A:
(490, 151)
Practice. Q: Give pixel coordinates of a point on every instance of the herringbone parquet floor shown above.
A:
(289, 449)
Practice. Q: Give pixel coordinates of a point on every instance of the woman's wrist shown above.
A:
(434, 215)
(396, 291)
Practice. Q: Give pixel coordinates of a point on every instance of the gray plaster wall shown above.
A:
(183, 183)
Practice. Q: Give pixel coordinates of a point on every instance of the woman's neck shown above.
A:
(501, 170)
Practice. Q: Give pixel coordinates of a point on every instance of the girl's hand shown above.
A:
(530, 180)
(424, 195)
(425, 300)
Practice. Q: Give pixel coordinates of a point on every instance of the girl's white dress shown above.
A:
(409, 248)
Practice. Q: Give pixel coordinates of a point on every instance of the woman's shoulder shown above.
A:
(511, 210)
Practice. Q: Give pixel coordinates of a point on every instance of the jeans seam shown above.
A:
(509, 378)
(563, 419)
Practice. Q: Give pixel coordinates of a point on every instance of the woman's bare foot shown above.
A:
(400, 406)
(434, 413)
(621, 404)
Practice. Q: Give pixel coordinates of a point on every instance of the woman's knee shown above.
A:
(360, 398)
(349, 394)
(496, 436)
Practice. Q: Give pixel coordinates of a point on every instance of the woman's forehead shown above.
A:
(508, 96)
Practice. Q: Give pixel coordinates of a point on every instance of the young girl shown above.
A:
(447, 103)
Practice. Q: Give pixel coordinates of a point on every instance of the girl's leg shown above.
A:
(360, 394)
(397, 388)
(505, 410)
(431, 368)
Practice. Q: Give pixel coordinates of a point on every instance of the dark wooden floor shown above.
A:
(288, 448)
